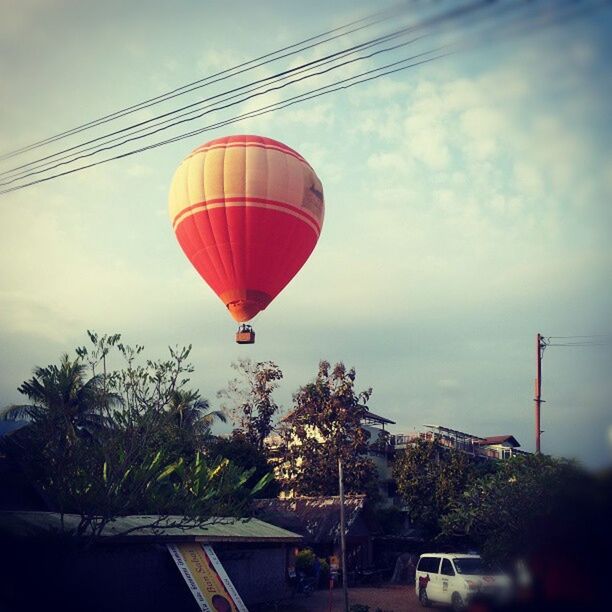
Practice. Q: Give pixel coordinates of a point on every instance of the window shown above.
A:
(429, 565)
(474, 566)
(447, 568)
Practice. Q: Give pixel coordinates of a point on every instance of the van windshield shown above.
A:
(473, 566)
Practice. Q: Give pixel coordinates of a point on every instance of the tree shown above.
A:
(191, 411)
(145, 456)
(64, 396)
(249, 398)
(325, 425)
(430, 479)
(511, 511)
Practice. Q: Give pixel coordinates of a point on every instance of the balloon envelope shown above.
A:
(247, 211)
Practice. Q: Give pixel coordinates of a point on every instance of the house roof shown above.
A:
(370, 416)
(497, 440)
(316, 518)
(221, 529)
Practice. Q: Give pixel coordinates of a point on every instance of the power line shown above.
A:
(580, 341)
(241, 68)
(75, 157)
(264, 110)
(343, 84)
(33, 168)
(579, 344)
(103, 147)
(255, 113)
(587, 336)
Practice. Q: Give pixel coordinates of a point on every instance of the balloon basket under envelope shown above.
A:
(245, 335)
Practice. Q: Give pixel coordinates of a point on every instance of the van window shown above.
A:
(429, 565)
(473, 566)
(447, 568)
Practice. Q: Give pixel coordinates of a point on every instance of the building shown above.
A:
(317, 520)
(491, 447)
(129, 567)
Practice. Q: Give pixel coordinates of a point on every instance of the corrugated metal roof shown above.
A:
(223, 529)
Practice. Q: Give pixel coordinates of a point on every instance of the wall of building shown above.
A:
(136, 577)
(259, 574)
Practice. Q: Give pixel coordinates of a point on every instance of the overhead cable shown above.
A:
(343, 84)
(371, 20)
(24, 169)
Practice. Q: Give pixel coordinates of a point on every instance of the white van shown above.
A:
(455, 578)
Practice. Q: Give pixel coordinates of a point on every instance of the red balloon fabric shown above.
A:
(247, 211)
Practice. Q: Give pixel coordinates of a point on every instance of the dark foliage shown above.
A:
(431, 479)
(245, 455)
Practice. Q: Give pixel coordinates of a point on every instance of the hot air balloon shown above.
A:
(247, 211)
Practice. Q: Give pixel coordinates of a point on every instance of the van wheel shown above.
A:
(457, 603)
(424, 599)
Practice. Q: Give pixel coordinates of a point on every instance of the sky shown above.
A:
(467, 209)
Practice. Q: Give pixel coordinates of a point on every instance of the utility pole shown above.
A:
(540, 346)
(343, 536)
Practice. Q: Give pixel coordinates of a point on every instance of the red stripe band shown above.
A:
(300, 212)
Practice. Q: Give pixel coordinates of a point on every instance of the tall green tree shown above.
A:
(325, 425)
(430, 479)
(248, 398)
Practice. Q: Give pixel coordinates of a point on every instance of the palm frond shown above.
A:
(210, 417)
(23, 412)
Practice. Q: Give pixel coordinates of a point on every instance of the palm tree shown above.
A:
(191, 411)
(63, 394)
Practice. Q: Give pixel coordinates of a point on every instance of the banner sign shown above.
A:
(206, 578)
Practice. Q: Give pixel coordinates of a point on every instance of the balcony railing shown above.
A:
(463, 444)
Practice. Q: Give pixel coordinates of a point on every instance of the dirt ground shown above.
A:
(387, 598)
